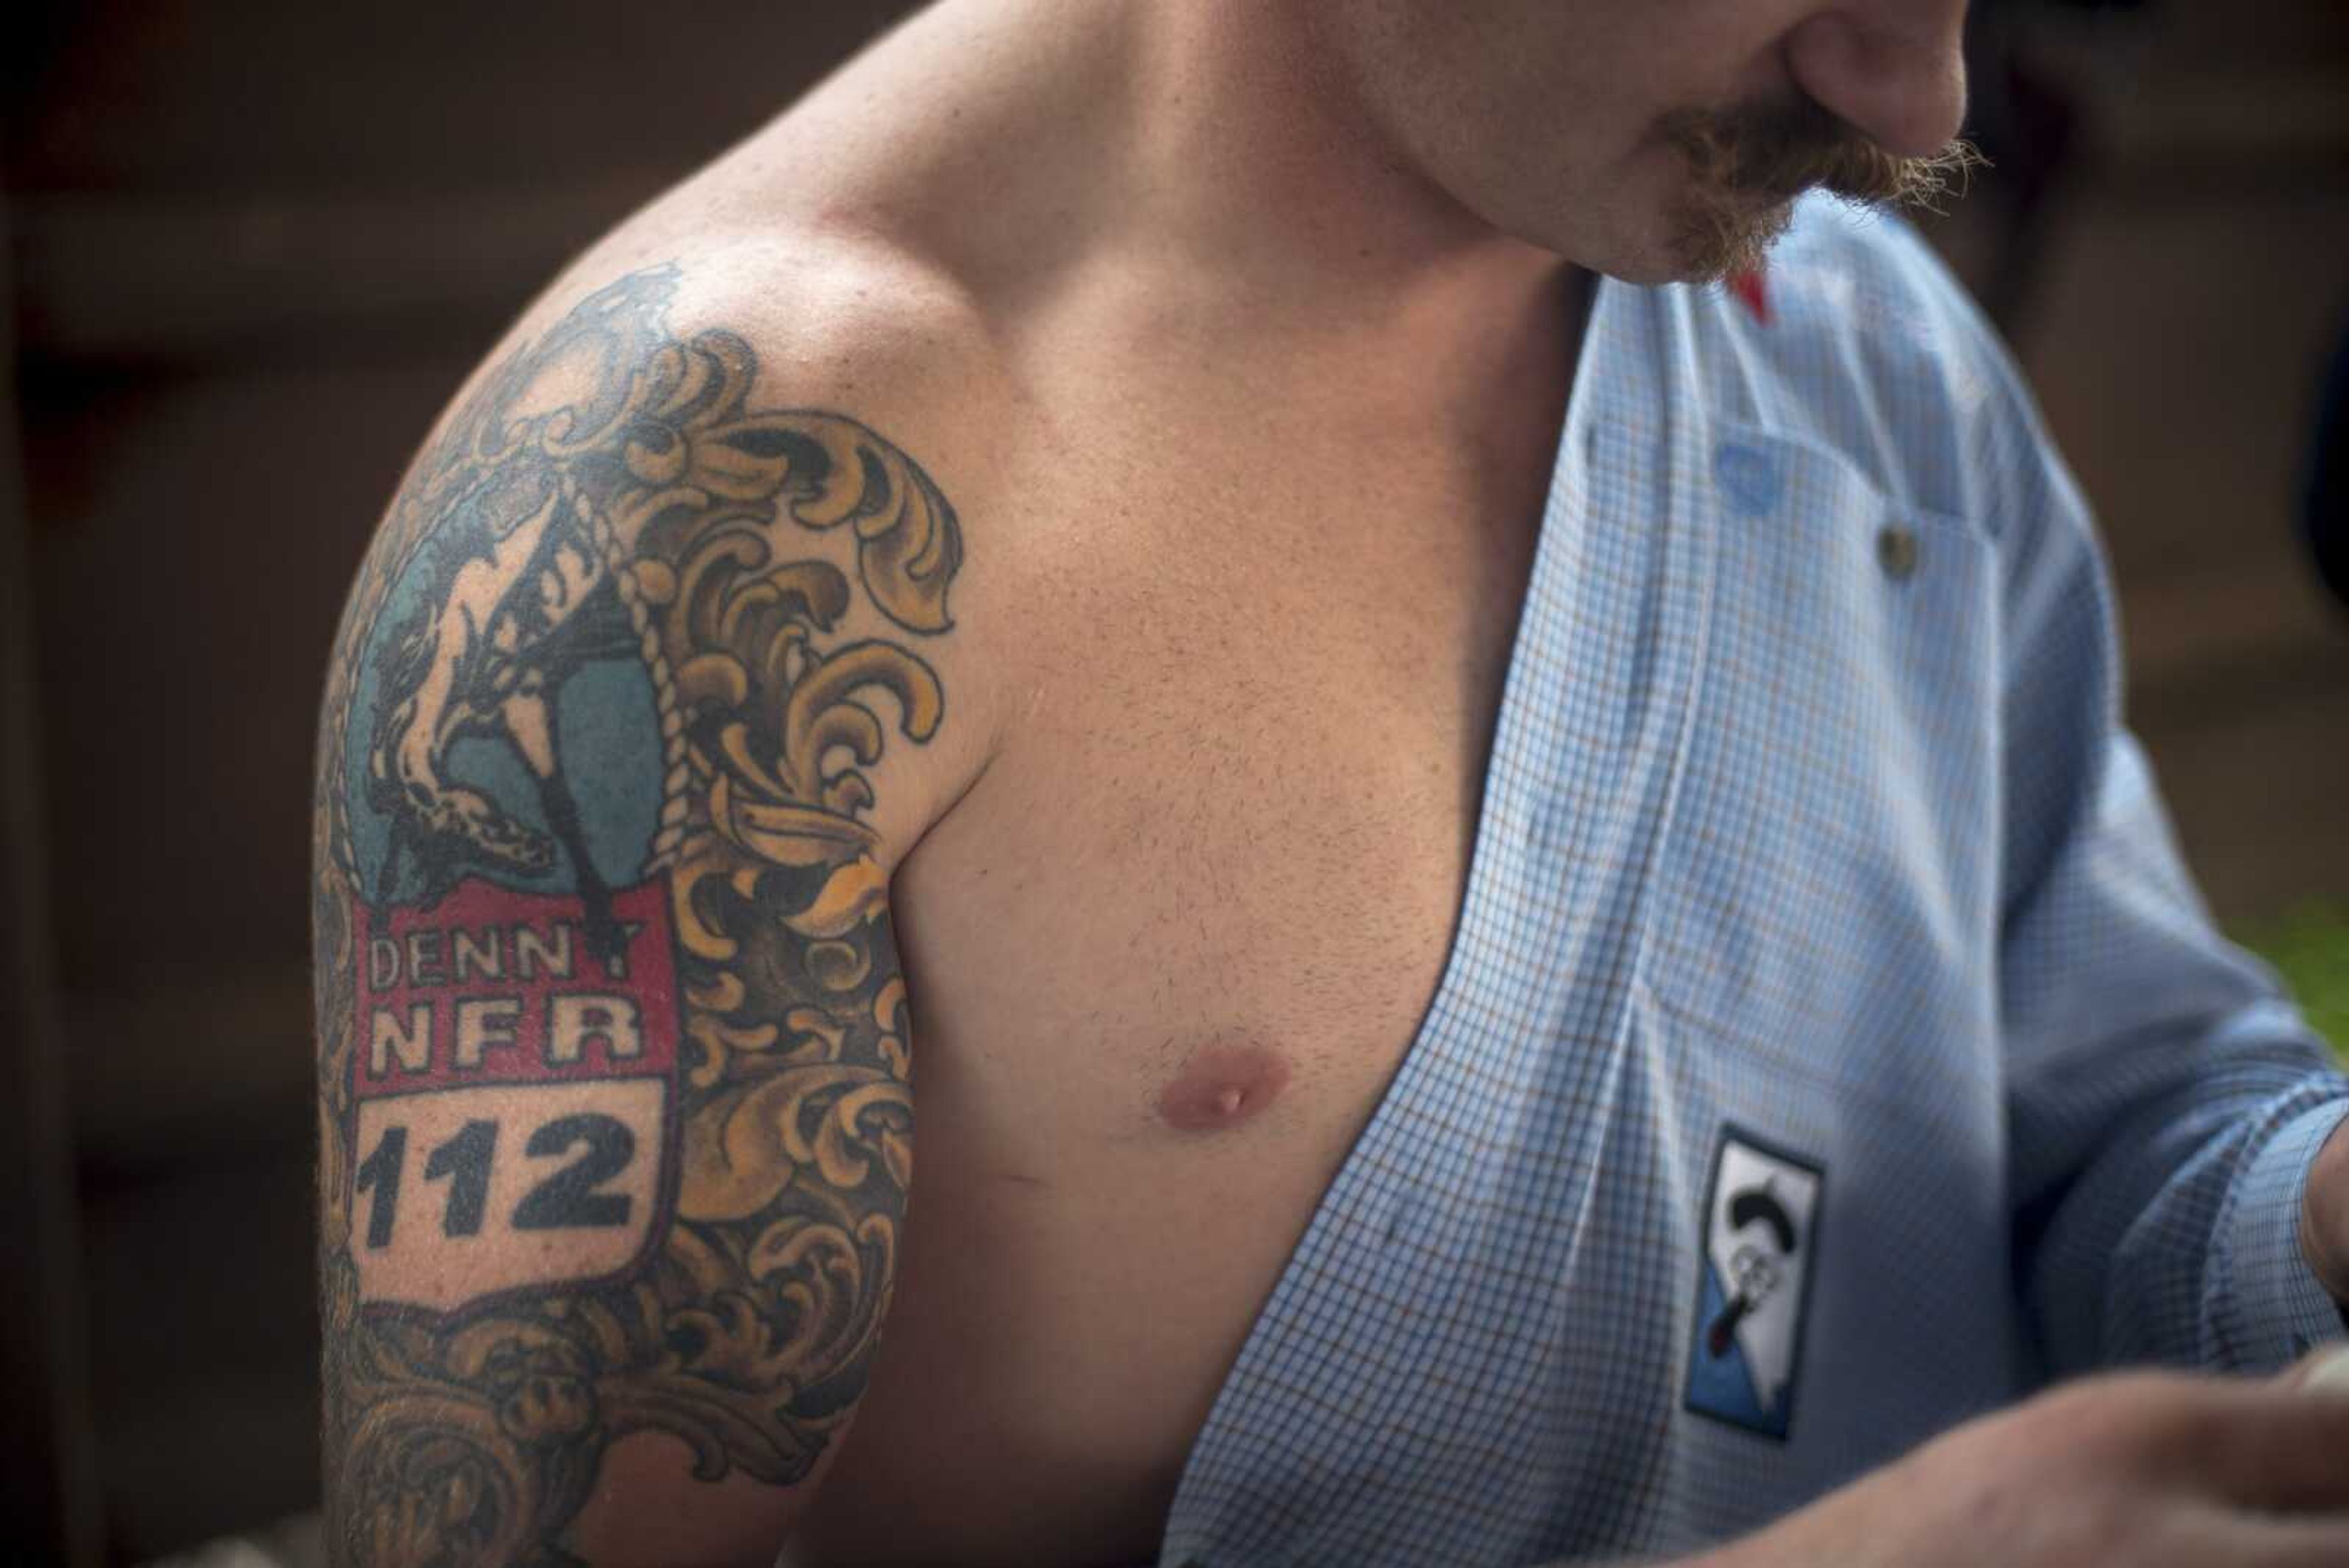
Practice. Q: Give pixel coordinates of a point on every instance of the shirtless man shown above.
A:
(1502, 877)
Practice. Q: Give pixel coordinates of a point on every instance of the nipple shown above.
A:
(1222, 1085)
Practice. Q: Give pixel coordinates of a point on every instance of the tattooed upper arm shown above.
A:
(613, 1067)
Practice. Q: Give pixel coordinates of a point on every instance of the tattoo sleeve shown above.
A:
(615, 1124)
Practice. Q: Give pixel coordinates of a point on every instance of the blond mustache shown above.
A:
(1777, 151)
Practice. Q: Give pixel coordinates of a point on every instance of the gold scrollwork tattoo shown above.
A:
(679, 940)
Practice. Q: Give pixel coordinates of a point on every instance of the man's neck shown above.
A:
(1212, 143)
(1268, 172)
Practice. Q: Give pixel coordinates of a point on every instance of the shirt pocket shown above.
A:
(1826, 892)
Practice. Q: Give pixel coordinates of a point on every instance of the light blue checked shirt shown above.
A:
(1814, 866)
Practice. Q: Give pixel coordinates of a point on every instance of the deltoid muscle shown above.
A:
(728, 1040)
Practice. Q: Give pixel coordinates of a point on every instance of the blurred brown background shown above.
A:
(249, 249)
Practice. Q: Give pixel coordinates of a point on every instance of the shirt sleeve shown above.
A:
(2165, 1098)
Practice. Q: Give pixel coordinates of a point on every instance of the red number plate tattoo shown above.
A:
(513, 1092)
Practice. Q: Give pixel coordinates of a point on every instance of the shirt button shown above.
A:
(1895, 552)
(1747, 477)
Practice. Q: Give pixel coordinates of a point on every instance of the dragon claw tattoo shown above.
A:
(616, 1128)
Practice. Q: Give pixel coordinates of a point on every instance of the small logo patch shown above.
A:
(1752, 287)
(1760, 1228)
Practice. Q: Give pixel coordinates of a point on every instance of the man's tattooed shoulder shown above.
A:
(613, 1070)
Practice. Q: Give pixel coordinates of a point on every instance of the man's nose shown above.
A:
(1894, 69)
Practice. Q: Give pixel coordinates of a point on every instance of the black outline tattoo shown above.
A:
(608, 496)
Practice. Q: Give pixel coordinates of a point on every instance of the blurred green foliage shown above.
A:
(2310, 948)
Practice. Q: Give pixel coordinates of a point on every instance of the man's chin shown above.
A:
(1696, 242)
(1714, 242)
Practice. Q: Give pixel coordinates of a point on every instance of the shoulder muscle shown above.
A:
(640, 694)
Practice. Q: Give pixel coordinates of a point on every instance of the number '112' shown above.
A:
(564, 1200)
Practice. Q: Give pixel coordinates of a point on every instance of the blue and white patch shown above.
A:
(1760, 1232)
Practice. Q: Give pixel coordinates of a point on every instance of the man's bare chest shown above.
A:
(1225, 840)
(1165, 956)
